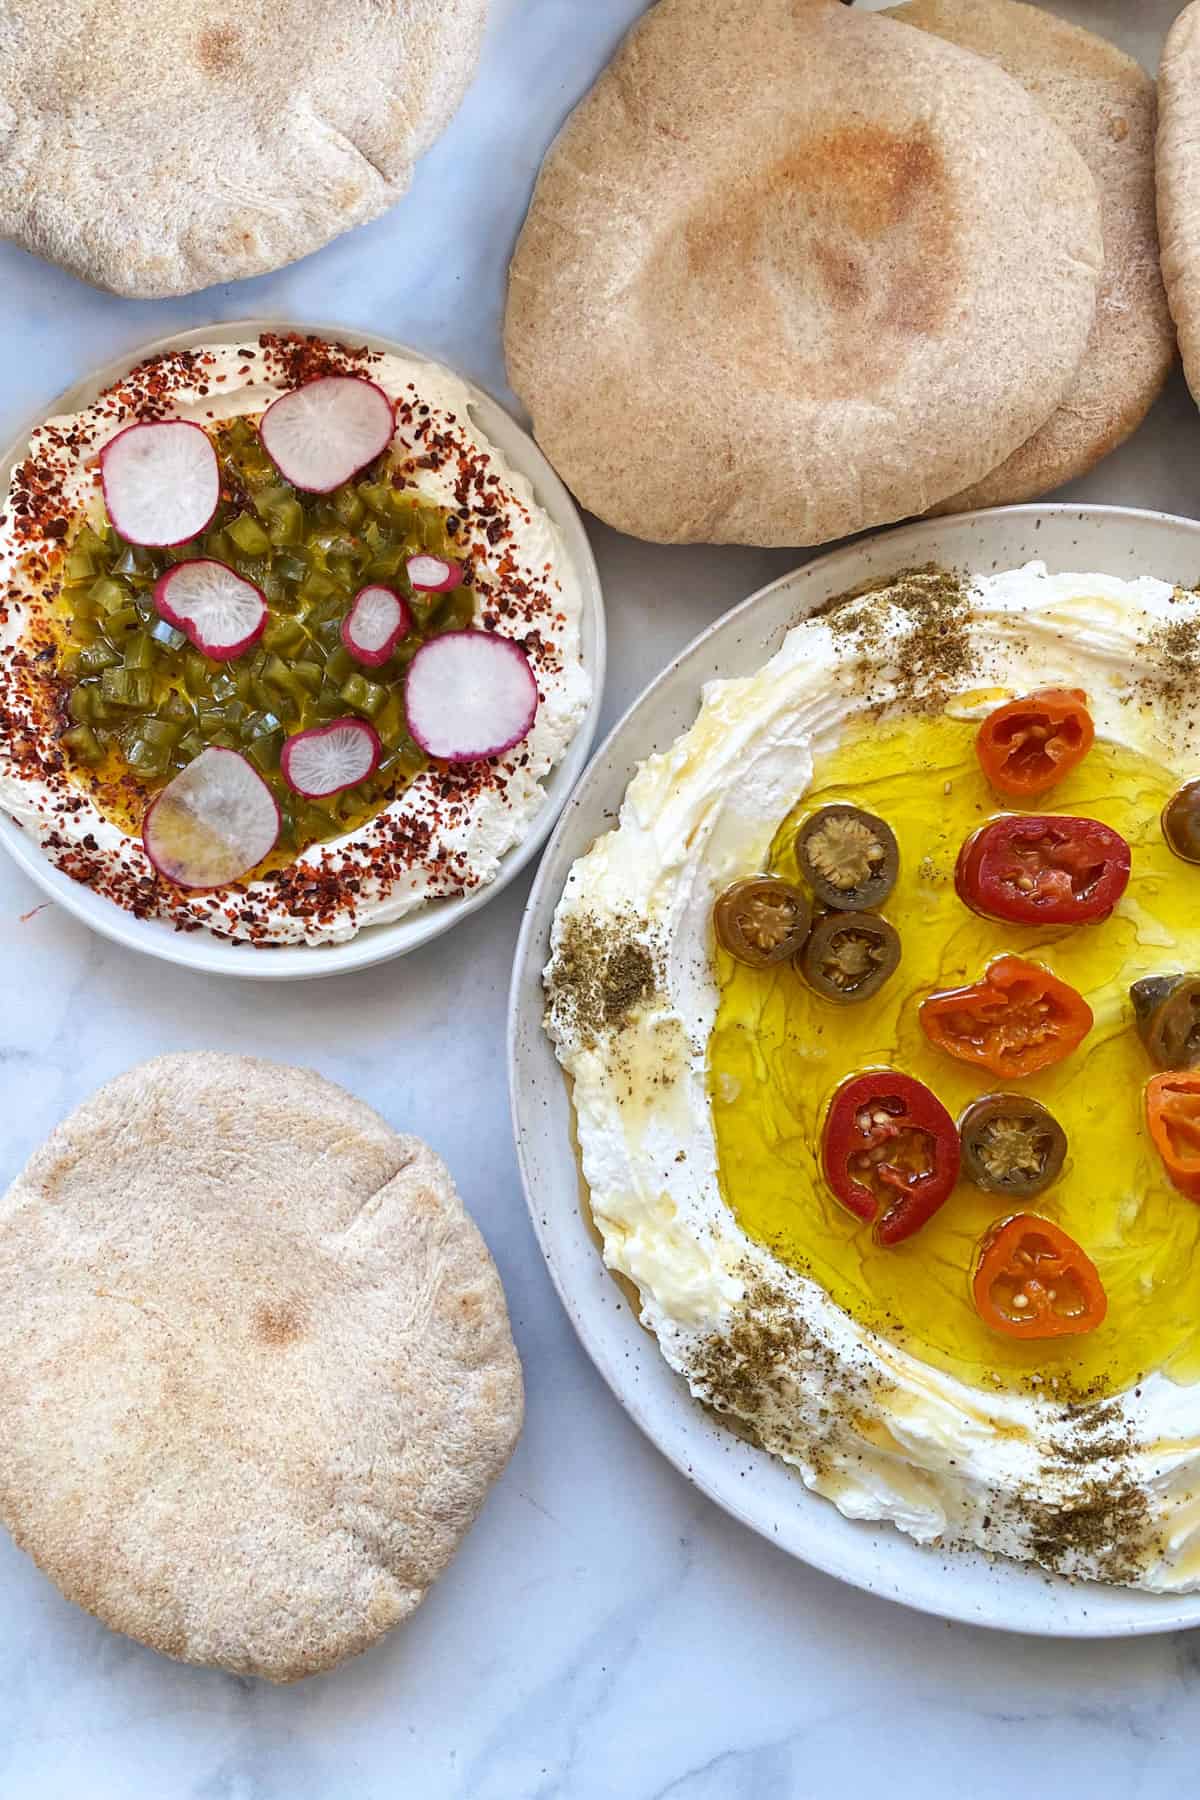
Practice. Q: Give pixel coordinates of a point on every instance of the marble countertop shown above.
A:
(605, 1633)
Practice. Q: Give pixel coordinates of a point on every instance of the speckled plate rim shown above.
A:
(375, 943)
(754, 1487)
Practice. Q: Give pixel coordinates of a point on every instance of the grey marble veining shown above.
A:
(605, 1634)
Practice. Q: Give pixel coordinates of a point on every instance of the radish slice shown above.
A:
(323, 433)
(469, 694)
(328, 758)
(212, 823)
(220, 612)
(161, 481)
(434, 574)
(375, 624)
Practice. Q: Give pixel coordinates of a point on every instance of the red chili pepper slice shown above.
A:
(1028, 745)
(1043, 869)
(1020, 1018)
(890, 1151)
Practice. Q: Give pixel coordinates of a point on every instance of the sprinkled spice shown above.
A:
(1174, 651)
(601, 972)
(1093, 1432)
(754, 1365)
(1101, 1529)
(932, 652)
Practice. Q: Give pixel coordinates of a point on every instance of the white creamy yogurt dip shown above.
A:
(442, 835)
(883, 1434)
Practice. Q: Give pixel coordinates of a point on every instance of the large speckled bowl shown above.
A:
(756, 1488)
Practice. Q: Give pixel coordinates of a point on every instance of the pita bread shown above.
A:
(791, 271)
(1179, 183)
(1105, 103)
(156, 146)
(256, 1373)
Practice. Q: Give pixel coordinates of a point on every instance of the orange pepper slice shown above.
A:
(1028, 745)
(1173, 1115)
(1033, 1281)
(1017, 1020)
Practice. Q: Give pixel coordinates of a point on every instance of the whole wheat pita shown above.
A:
(156, 146)
(256, 1374)
(769, 292)
(1178, 159)
(1105, 102)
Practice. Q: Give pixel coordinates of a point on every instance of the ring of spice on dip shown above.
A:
(880, 1004)
(286, 647)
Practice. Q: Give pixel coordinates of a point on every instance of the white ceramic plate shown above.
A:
(756, 1488)
(376, 943)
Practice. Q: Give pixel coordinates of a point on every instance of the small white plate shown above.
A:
(375, 943)
(756, 1488)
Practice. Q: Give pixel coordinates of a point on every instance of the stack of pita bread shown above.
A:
(1179, 183)
(793, 270)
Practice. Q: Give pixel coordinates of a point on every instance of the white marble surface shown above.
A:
(605, 1633)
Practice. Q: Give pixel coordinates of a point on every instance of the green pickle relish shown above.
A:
(141, 702)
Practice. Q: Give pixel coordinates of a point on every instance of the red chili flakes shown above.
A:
(294, 360)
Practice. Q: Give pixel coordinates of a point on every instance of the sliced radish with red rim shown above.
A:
(320, 435)
(376, 622)
(221, 613)
(434, 574)
(161, 481)
(329, 758)
(469, 694)
(212, 823)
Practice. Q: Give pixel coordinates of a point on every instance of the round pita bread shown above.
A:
(156, 146)
(1105, 102)
(1179, 183)
(791, 271)
(256, 1373)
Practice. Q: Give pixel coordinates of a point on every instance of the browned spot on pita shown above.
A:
(281, 1322)
(868, 177)
(218, 49)
(348, 195)
(490, 1391)
(473, 1307)
(856, 221)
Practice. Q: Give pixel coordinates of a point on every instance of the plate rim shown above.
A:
(204, 953)
(1147, 1614)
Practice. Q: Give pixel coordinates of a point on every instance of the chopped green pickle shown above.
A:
(249, 535)
(284, 635)
(364, 696)
(164, 633)
(138, 650)
(139, 702)
(132, 559)
(82, 742)
(107, 595)
(95, 657)
(126, 687)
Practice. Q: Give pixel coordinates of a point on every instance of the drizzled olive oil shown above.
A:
(778, 1051)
